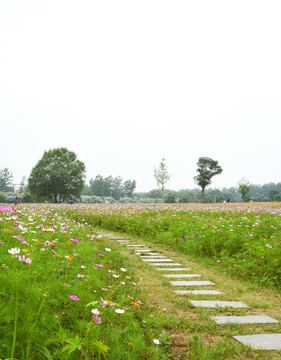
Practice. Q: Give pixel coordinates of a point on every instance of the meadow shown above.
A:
(66, 294)
(243, 239)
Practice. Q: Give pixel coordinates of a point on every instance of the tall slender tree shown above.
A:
(162, 176)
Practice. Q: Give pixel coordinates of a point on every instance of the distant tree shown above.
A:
(87, 191)
(207, 168)
(117, 188)
(162, 176)
(58, 176)
(244, 189)
(6, 180)
(272, 194)
(154, 194)
(129, 187)
(277, 198)
(170, 198)
(3, 198)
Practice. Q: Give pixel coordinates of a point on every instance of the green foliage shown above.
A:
(27, 198)
(272, 193)
(6, 180)
(207, 169)
(244, 189)
(73, 344)
(3, 198)
(58, 176)
(162, 176)
(129, 187)
(170, 198)
(277, 198)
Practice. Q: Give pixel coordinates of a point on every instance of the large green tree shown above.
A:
(57, 177)
(207, 168)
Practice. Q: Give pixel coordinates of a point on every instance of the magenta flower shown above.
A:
(74, 297)
(96, 319)
(25, 260)
(75, 240)
(99, 265)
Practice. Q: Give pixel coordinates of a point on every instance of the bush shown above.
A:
(27, 198)
(3, 198)
(277, 198)
(170, 199)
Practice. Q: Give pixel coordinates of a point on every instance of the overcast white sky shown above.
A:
(124, 84)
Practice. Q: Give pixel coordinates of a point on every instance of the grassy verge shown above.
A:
(195, 335)
(66, 294)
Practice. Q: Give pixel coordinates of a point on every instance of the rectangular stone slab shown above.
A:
(142, 250)
(261, 341)
(250, 319)
(137, 245)
(173, 269)
(150, 254)
(164, 264)
(154, 256)
(157, 260)
(198, 292)
(213, 304)
(181, 276)
(191, 283)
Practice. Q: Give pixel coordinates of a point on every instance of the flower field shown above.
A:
(245, 239)
(65, 294)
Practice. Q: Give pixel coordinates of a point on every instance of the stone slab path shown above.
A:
(261, 341)
(216, 303)
(198, 292)
(250, 319)
(258, 341)
(182, 276)
(191, 283)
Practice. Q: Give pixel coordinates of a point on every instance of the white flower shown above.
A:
(119, 311)
(14, 251)
(116, 276)
(123, 283)
(107, 249)
(83, 267)
(95, 311)
(122, 269)
(156, 341)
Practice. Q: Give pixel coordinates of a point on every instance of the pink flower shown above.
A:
(96, 319)
(75, 240)
(99, 265)
(74, 297)
(24, 260)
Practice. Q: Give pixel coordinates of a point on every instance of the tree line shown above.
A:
(60, 177)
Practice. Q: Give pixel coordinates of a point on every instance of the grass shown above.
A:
(68, 271)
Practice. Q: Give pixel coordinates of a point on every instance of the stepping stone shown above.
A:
(143, 250)
(151, 254)
(250, 319)
(191, 283)
(157, 260)
(261, 341)
(198, 292)
(173, 269)
(154, 256)
(178, 276)
(136, 245)
(214, 304)
(165, 264)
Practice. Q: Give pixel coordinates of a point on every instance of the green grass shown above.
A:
(39, 316)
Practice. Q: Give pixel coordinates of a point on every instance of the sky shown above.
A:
(124, 84)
